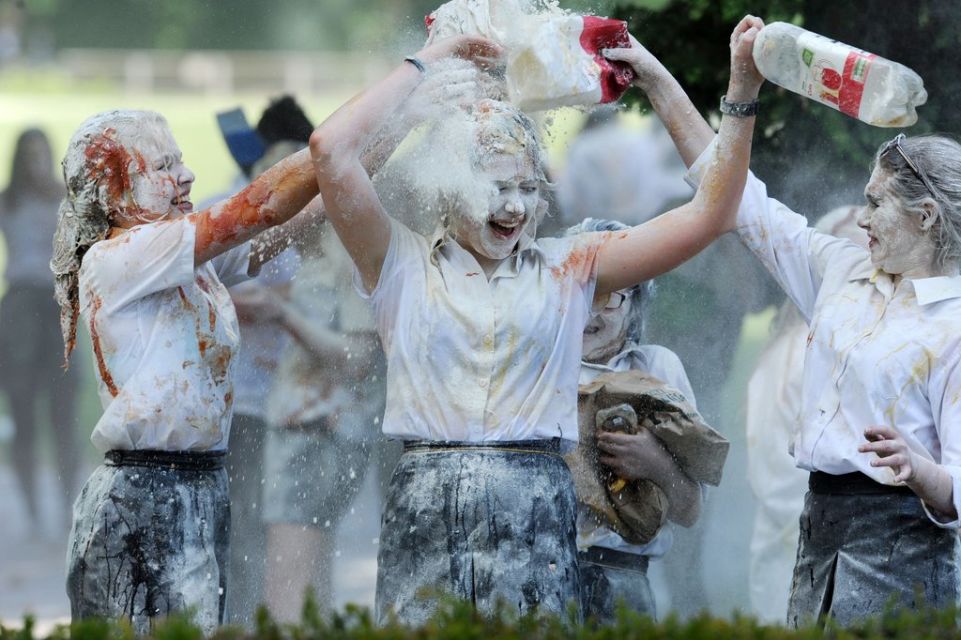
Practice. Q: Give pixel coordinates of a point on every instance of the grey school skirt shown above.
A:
(484, 522)
(612, 579)
(865, 546)
(149, 538)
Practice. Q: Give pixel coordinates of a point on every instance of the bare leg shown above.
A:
(67, 448)
(248, 545)
(22, 408)
(298, 557)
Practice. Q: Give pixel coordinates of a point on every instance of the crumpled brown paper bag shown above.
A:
(639, 510)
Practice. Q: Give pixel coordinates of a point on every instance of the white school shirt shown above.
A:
(261, 343)
(876, 354)
(472, 360)
(164, 336)
(663, 364)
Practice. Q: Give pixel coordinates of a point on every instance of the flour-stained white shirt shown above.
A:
(877, 354)
(164, 337)
(663, 364)
(473, 360)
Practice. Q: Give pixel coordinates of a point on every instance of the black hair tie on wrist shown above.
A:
(417, 63)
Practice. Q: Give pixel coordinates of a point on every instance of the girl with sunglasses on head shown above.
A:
(881, 396)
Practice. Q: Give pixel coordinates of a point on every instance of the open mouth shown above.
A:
(592, 327)
(505, 229)
(183, 203)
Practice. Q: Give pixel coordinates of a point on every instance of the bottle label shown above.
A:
(833, 73)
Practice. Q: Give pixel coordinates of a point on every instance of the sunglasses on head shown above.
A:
(613, 301)
(895, 145)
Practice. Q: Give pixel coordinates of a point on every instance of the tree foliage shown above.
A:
(810, 156)
(225, 24)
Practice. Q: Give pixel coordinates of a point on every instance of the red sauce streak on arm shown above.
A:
(271, 199)
(98, 351)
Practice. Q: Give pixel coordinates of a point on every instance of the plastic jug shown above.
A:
(861, 84)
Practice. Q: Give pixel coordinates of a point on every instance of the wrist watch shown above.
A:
(739, 109)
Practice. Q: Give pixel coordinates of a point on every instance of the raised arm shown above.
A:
(689, 131)
(273, 198)
(662, 244)
(274, 241)
(336, 146)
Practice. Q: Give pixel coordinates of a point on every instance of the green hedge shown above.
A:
(459, 621)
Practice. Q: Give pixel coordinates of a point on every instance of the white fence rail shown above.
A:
(220, 72)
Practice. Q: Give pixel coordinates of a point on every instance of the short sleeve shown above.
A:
(144, 260)
(233, 267)
(794, 253)
(404, 265)
(575, 259)
(405, 249)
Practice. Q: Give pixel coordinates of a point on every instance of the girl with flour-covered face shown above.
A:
(913, 226)
(482, 327)
(514, 199)
(161, 185)
(496, 196)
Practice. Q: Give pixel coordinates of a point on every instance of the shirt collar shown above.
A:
(927, 290)
(930, 290)
(630, 349)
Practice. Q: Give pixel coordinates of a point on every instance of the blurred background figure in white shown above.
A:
(773, 405)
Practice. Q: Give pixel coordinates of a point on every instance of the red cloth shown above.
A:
(606, 33)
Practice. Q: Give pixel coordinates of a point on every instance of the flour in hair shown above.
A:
(438, 171)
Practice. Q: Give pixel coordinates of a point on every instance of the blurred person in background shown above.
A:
(323, 412)
(614, 571)
(631, 174)
(283, 129)
(773, 411)
(30, 371)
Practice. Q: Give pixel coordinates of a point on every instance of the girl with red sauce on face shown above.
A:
(147, 276)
